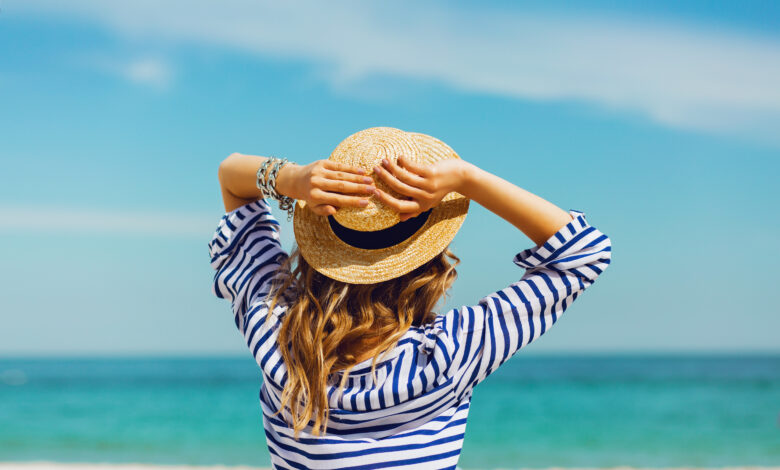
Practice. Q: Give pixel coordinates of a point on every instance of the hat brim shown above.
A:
(333, 257)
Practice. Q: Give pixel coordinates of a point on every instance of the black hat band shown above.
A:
(378, 239)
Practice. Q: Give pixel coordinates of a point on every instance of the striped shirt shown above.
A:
(414, 415)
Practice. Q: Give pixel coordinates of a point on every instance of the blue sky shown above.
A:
(661, 122)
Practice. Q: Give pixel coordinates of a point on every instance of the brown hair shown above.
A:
(330, 323)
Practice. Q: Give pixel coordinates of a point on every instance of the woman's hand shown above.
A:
(424, 185)
(326, 185)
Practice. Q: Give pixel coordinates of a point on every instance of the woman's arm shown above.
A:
(538, 218)
(570, 255)
(324, 184)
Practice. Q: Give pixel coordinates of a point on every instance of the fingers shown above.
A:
(408, 215)
(404, 175)
(397, 184)
(338, 200)
(345, 176)
(344, 187)
(323, 209)
(335, 185)
(414, 167)
(341, 185)
(399, 205)
(338, 166)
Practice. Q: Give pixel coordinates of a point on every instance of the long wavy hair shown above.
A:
(329, 324)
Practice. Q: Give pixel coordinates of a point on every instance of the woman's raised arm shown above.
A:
(569, 256)
(324, 184)
(538, 218)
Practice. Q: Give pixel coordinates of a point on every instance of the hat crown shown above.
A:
(366, 149)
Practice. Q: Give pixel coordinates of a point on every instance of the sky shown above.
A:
(661, 122)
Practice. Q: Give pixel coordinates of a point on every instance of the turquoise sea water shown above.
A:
(533, 412)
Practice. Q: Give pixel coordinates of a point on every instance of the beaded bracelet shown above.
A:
(267, 185)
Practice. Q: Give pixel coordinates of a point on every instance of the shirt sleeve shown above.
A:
(245, 253)
(479, 338)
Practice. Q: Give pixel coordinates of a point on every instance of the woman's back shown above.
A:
(414, 413)
(408, 416)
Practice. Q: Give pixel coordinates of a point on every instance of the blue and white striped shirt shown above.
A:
(414, 415)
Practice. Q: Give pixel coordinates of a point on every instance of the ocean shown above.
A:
(535, 411)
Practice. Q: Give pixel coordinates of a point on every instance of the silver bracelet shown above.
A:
(277, 165)
(261, 179)
(267, 185)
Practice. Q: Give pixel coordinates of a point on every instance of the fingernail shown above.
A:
(377, 169)
(370, 189)
(361, 171)
(367, 180)
(364, 202)
(384, 160)
(376, 191)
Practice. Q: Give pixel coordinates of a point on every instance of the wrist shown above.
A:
(286, 180)
(466, 175)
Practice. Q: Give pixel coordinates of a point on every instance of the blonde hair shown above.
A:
(329, 323)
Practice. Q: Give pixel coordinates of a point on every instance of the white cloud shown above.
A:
(153, 72)
(82, 221)
(147, 71)
(52, 220)
(678, 75)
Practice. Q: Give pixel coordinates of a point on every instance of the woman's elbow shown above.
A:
(224, 166)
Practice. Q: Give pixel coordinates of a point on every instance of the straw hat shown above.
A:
(369, 244)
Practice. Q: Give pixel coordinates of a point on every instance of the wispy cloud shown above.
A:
(677, 75)
(147, 71)
(53, 220)
(153, 72)
(83, 221)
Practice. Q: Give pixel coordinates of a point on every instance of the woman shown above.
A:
(358, 371)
